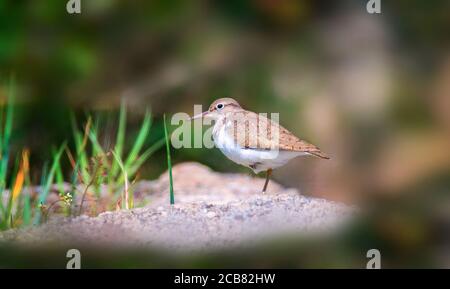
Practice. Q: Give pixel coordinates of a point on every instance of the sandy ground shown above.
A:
(212, 210)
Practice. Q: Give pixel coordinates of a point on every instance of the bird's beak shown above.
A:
(200, 115)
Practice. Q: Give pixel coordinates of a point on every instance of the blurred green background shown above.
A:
(371, 90)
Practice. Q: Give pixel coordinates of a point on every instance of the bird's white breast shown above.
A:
(261, 160)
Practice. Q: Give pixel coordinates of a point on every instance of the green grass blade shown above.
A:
(140, 140)
(6, 136)
(27, 211)
(120, 140)
(48, 181)
(2, 112)
(26, 214)
(125, 197)
(81, 159)
(93, 137)
(9, 112)
(59, 176)
(169, 162)
(144, 156)
(99, 152)
(74, 181)
(97, 148)
(10, 204)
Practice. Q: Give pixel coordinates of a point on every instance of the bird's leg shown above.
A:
(268, 173)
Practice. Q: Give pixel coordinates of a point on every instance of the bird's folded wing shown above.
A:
(255, 131)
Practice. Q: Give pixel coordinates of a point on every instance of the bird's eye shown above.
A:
(219, 106)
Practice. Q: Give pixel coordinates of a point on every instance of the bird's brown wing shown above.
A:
(244, 124)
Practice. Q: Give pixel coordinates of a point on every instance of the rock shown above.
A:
(212, 210)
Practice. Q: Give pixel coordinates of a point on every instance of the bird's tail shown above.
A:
(320, 154)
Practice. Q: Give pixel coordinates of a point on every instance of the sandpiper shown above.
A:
(253, 140)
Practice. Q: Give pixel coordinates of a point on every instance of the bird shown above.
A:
(253, 140)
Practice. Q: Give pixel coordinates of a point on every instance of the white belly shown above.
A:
(258, 160)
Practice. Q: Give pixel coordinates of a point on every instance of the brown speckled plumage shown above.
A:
(254, 131)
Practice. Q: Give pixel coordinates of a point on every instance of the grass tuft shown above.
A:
(98, 175)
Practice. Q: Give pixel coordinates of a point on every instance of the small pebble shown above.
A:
(210, 214)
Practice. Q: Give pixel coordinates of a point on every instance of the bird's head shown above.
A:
(219, 108)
